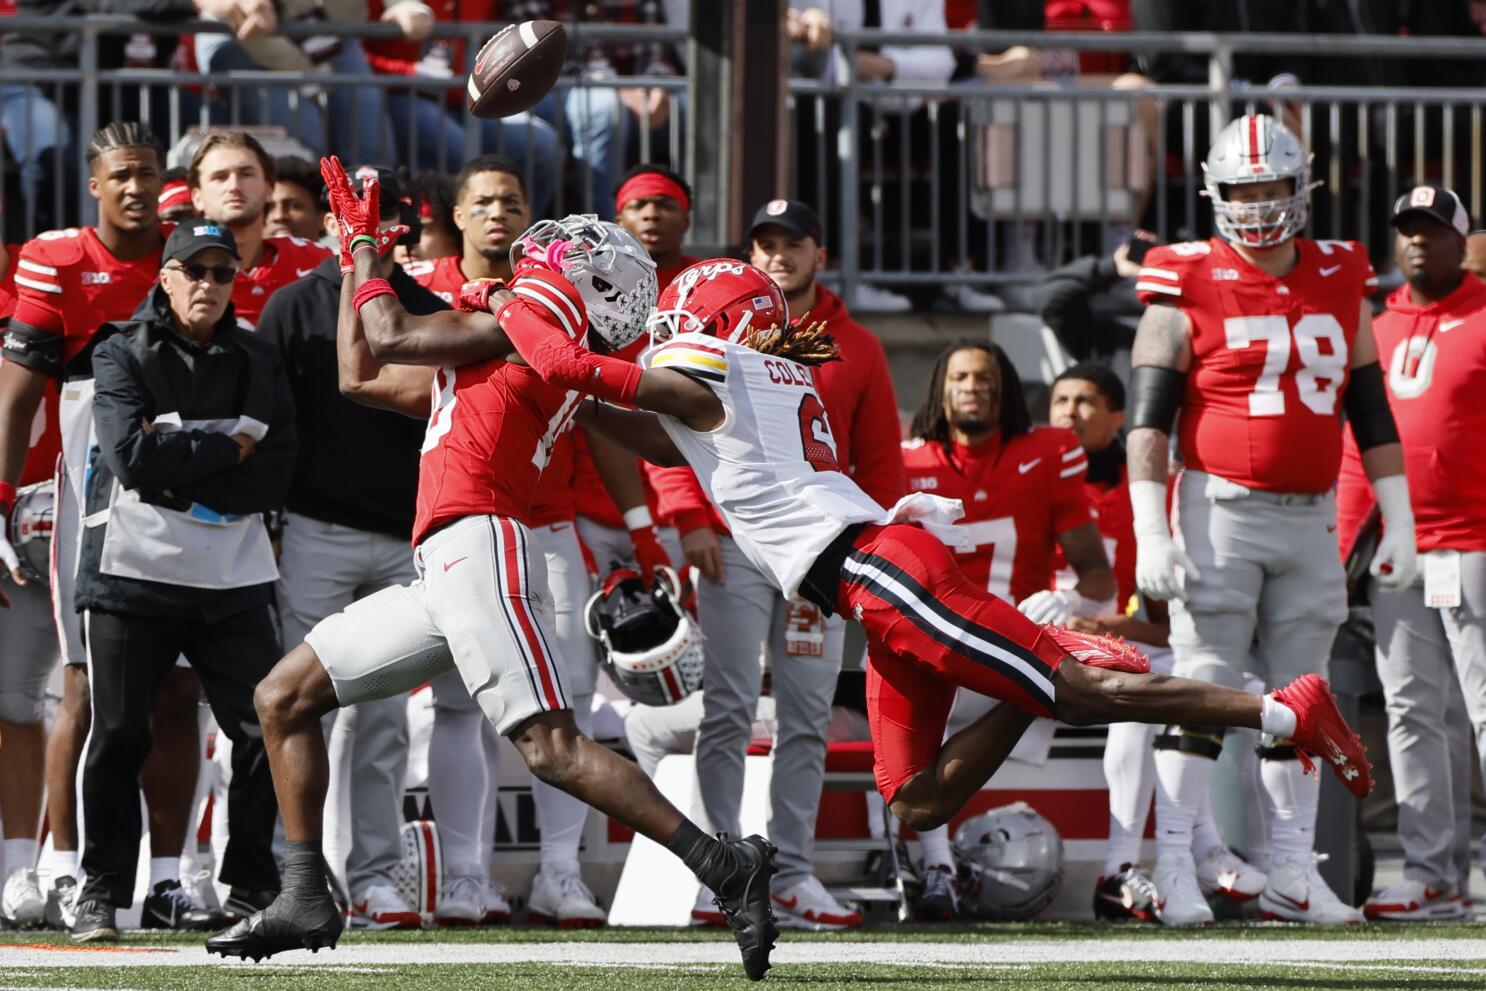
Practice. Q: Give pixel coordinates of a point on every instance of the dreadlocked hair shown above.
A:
(806, 345)
(122, 134)
(931, 423)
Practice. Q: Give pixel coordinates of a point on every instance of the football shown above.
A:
(516, 68)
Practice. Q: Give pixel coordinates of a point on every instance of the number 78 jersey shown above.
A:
(1269, 357)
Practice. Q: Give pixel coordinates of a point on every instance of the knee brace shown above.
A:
(1275, 749)
(1199, 741)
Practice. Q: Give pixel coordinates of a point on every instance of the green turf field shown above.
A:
(1032, 957)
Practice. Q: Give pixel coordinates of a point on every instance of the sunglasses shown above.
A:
(223, 275)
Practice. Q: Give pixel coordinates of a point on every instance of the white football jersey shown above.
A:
(770, 468)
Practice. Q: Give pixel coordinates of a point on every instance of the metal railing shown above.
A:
(918, 185)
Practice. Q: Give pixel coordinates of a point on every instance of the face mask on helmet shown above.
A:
(651, 648)
(31, 530)
(1012, 861)
(610, 268)
(723, 297)
(1253, 149)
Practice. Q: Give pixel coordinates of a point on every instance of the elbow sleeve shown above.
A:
(1366, 404)
(1156, 394)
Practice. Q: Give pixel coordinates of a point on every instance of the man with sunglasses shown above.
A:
(195, 432)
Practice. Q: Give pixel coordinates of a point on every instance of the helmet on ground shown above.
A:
(610, 268)
(722, 297)
(417, 874)
(1252, 149)
(1012, 859)
(651, 647)
(31, 530)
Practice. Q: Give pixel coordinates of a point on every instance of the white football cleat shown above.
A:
(1225, 873)
(379, 906)
(808, 905)
(1179, 900)
(461, 903)
(23, 903)
(1409, 901)
(564, 901)
(497, 909)
(1296, 892)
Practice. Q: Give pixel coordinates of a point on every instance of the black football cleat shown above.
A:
(744, 900)
(290, 923)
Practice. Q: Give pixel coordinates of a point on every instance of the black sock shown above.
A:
(699, 852)
(304, 868)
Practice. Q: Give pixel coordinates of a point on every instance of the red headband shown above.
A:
(648, 184)
(173, 191)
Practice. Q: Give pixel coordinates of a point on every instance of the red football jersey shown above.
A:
(489, 438)
(46, 442)
(284, 260)
(69, 284)
(1018, 497)
(1434, 362)
(1269, 357)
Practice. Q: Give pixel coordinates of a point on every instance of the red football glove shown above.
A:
(649, 554)
(356, 215)
(386, 241)
(474, 295)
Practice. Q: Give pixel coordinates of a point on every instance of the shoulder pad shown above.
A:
(418, 269)
(55, 248)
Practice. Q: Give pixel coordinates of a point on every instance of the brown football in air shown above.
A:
(516, 68)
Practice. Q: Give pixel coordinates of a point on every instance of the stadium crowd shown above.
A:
(194, 481)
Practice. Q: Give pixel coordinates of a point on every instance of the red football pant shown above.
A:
(930, 631)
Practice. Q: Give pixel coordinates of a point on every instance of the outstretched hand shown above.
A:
(357, 216)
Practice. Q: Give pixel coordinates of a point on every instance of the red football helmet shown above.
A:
(722, 297)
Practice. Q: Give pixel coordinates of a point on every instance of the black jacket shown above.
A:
(357, 466)
(143, 369)
(59, 49)
(1065, 297)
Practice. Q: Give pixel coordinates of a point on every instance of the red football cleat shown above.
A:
(1098, 651)
(1321, 732)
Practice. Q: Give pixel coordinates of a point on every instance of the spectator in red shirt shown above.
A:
(432, 122)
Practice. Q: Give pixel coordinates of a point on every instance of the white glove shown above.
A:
(8, 556)
(1162, 569)
(1396, 561)
(1056, 607)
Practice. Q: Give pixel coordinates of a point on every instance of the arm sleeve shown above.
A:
(680, 498)
(1070, 500)
(261, 483)
(140, 459)
(543, 324)
(876, 451)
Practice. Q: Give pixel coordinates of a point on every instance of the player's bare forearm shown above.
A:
(1084, 549)
(635, 431)
(1130, 627)
(1163, 338)
(21, 390)
(618, 471)
(448, 338)
(1147, 455)
(1382, 461)
(663, 390)
(1364, 344)
(400, 388)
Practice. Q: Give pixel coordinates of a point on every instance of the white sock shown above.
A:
(1257, 804)
(560, 816)
(457, 782)
(1206, 839)
(1130, 772)
(60, 863)
(164, 869)
(1295, 796)
(489, 812)
(876, 828)
(1277, 719)
(1181, 782)
(19, 854)
(936, 851)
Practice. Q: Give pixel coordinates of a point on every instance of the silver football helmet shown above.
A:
(610, 268)
(1012, 859)
(31, 530)
(1258, 148)
(651, 647)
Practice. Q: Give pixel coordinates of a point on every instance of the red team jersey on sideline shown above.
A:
(46, 442)
(1269, 357)
(489, 438)
(441, 276)
(1434, 364)
(1018, 497)
(285, 260)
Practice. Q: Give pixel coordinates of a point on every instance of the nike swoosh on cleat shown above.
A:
(788, 905)
(1304, 906)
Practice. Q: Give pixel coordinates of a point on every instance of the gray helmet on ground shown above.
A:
(649, 644)
(1257, 148)
(1012, 861)
(31, 530)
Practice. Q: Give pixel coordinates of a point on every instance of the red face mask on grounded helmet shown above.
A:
(724, 297)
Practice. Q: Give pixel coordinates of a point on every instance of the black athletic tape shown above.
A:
(1199, 741)
(1156, 395)
(1366, 403)
(1284, 751)
(35, 349)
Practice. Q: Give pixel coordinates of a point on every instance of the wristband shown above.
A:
(7, 497)
(637, 518)
(370, 290)
(361, 239)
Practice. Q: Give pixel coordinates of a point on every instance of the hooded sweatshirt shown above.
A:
(860, 405)
(1434, 366)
